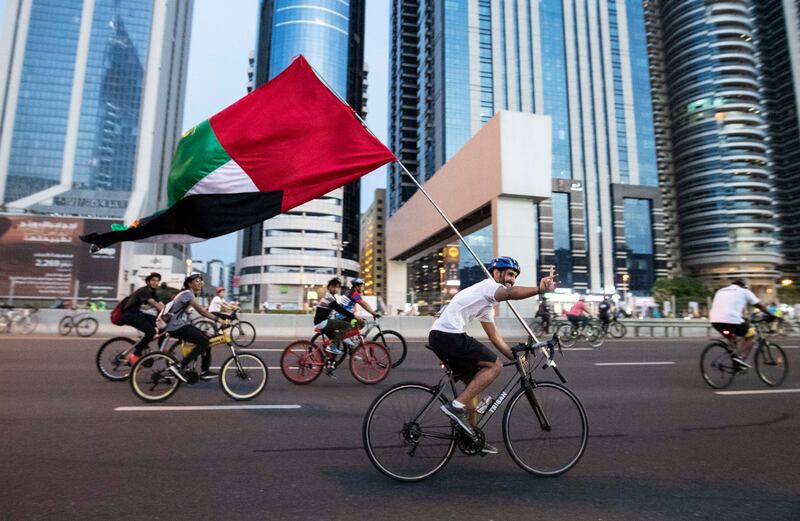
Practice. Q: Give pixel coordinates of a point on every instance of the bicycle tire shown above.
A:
(86, 327)
(772, 366)
(65, 326)
(389, 433)
(595, 336)
(567, 335)
(243, 334)
(247, 383)
(617, 329)
(208, 327)
(27, 324)
(546, 453)
(397, 347)
(151, 379)
(370, 363)
(302, 362)
(716, 365)
(109, 358)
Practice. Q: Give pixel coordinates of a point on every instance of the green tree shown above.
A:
(789, 294)
(684, 289)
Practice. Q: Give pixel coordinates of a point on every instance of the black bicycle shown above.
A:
(613, 328)
(391, 340)
(243, 333)
(112, 357)
(719, 370)
(545, 429)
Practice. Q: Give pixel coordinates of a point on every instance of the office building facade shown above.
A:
(454, 65)
(373, 246)
(91, 103)
(285, 258)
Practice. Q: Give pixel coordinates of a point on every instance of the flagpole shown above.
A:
(436, 206)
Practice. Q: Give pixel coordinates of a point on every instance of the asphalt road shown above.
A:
(662, 446)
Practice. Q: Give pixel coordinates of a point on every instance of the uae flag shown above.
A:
(288, 142)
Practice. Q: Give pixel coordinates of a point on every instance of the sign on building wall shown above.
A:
(43, 257)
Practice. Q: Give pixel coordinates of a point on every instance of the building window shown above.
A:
(562, 240)
(639, 246)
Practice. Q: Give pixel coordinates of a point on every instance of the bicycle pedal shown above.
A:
(191, 377)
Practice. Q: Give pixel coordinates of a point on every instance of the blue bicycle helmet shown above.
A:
(356, 282)
(502, 263)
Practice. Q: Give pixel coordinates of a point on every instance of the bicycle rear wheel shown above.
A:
(151, 379)
(370, 363)
(403, 443)
(595, 336)
(716, 365)
(771, 364)
(395, 343)
(550, 451)
(111, 360)
(206, 326)
(243, 376)
(86, 327)
(26, 324)
(243, 334)
(567, 335)
(65, 326)
(617, 329)
(302, 362)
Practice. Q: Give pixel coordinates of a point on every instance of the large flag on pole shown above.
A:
(288, 142)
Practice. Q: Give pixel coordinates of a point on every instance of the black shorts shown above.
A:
(461, 351)
(736, 329)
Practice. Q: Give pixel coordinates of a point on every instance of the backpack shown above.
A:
(166, 314)
(116, 313)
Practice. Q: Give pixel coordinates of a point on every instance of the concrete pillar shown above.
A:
(514, 235)
(396, 285)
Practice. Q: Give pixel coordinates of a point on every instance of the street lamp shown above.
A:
(188, 266)
(342, 244)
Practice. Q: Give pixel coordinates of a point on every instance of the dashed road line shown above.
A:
(168, 408)
(634, 363)
(757, 391)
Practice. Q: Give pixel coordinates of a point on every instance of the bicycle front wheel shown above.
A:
(111, 360)
(395, 343)
(27, 324)
(243, 334)
(595, 336)
(370, 363)
(243, 376)
(771, 364)
(405, 434)
(567, 335)
(151, 379)
(716, 365)
(302, 362)
(551, 450)
(65, 326)
(86, 327)
(617, 329)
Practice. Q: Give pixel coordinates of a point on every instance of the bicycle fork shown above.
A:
(530, 395)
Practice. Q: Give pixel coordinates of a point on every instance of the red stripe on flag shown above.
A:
(294, 135)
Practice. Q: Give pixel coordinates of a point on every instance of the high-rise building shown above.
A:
(280, 260)
(91, 103)
(453, 65)
(721, 87)
(373, 246)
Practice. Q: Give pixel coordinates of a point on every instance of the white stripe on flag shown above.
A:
(227, 179)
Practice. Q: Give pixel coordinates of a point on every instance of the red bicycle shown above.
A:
(302, 361)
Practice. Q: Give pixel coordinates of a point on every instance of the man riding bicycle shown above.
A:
(333, 328)
(133, 316)
(577, 314)
(352, 297)
(472, 362)
(726, 315)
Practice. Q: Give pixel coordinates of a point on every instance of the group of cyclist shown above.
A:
(578, 314)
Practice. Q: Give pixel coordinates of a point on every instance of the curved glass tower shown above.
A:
(285, 258)
(725, 202)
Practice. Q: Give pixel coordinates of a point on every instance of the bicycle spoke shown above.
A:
(716, 365)
(243, 377)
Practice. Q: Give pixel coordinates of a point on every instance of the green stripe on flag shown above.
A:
(198, 154)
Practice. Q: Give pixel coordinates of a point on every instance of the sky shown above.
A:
(221, 42)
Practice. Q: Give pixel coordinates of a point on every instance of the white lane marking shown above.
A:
(163, 408)
(579, 348)
(260, 350)
(635, 363)
(217, 367)
(760, 391)
(791, 347)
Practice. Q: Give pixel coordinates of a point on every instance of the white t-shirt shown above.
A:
(729, 303)
(216, 304)
(476, 301)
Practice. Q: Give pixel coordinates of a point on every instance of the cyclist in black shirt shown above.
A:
(333, 328)
(133, 316)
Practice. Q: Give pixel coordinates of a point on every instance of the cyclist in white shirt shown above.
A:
(473, 362)
(218, 301)
(726, 315)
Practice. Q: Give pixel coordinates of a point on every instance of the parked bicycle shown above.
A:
(243, 333)
(82, 323)
(112, 357)
(719, 370)
(545, 428)
(18, 320)
(242, 376)
(302, 361)
(589, 331)
(391, 340)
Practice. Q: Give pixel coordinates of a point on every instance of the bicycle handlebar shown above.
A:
(548, 350)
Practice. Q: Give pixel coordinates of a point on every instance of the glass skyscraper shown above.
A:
(284, 259)
(91, 102)
(453, 65)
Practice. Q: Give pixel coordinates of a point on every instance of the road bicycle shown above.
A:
(613, 328)
(408, 438)
(391, 340)
(302, 361)
(541, 327)
(242, 376)
(719, 370)
(571, 332)
(243, 333)
(112, 357)
(22, 320)
(83, 324)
